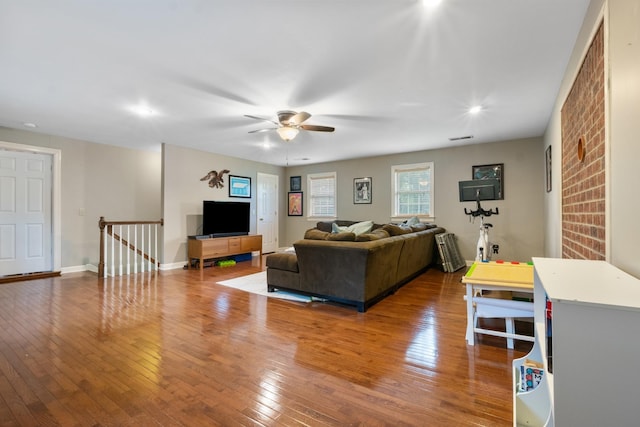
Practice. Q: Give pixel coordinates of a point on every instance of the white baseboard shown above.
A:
(173, 266)
(78, 269)
(94, 269)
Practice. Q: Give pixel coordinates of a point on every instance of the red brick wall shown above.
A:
(583, 182)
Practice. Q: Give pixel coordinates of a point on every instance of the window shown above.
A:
(412, 190)
(322, 195)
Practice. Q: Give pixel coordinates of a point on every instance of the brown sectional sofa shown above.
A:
(352, 272)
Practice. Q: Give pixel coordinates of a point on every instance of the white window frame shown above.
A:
(311, 213)
(395, 216)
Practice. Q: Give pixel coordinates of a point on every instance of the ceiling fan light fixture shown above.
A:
(287, 133)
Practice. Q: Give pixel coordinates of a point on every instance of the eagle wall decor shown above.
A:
(216, 179)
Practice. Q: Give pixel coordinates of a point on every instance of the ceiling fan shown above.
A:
(289, 124)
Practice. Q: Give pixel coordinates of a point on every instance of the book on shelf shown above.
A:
(549, 333)
(530, 375)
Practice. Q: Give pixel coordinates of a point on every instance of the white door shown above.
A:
(267, 202)
(25, 212)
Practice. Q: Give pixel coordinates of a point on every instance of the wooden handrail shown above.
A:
(102, 223)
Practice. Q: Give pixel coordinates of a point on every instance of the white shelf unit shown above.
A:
(595, 330)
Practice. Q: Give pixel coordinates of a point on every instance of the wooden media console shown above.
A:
(218, 247)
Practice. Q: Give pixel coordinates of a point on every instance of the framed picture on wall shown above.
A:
(547, 158)
(362, 190)
(295, 183)
(294, 203)
(239, 186)
(495, 171)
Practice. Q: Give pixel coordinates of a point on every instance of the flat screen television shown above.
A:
(220, 219)
(479, 189)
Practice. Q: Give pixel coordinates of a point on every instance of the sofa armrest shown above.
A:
(417, 253)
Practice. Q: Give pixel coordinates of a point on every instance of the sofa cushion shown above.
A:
(327, 225)
(283, 261)
(357, 228)
(315, 234)
(396, 229)
(344, 236)
(376, 234)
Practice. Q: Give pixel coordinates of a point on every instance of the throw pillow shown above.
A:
(414, 220)
(418, 227)
(357, 228)
(335, 228)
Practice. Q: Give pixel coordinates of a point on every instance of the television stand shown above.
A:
(217, 247)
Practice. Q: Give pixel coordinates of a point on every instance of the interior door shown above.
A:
(25, 212)
(267, 204)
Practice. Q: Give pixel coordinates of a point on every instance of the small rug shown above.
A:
(257, 284)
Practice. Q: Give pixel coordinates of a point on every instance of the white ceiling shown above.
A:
(390, 75)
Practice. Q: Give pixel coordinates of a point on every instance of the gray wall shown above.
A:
(88, 181)
(517, 229)
(183, 193)
(624, 60)
(123, 184)
(97, 180)
(622, 20)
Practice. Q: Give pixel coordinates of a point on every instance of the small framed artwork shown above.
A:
(495, 171)
(239, 186)
(547, 157)
(295, 203)
(295, 183)
(362, 190)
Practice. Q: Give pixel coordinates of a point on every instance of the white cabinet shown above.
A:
(595, 328)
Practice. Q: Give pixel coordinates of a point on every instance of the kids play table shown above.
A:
(497, 276)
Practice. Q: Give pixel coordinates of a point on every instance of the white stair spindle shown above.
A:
(155, 249)
(113, 248)
(120, 250)
(142, 249)
(149, 246)
(106, 247)
(128, 251)
(135, 249)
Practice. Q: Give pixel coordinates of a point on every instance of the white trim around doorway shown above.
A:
(56, 194)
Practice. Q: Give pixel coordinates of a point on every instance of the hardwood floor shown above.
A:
(177, 349)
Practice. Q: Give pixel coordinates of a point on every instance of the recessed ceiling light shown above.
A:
(30, 125)
(475, 109)
(143, 110)
(431, 3)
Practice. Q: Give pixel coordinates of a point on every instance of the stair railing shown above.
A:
(128, 247)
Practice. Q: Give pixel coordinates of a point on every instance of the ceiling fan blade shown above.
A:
(361, 118)
(261, 118)
(262, 130)
(318, 128)
(298, 118)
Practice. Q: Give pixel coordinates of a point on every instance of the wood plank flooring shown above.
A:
(175, 348)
